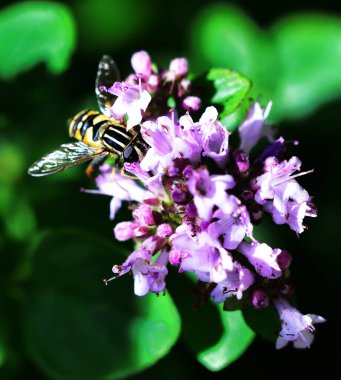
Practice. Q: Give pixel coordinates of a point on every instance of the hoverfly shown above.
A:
(98, 134)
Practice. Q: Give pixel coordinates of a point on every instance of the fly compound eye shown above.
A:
(130, 155)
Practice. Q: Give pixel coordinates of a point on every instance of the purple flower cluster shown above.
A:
(152, 88)
(196, 198)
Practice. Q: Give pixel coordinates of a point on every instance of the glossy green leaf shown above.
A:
(233, 120)
(231, 88)
(75, 327)
(234, 341)
(228, 90)
(216, 337)
(35, 32)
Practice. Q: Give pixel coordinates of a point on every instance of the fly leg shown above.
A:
(94, 165)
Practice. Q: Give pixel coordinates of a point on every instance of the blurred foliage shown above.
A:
(105, 25)
(294, 63)
(131, 332)
(57, 321)
(35, 32)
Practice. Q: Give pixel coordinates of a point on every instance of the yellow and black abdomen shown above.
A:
(101, 132)
(86, 127)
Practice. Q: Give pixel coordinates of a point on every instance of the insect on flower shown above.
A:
(99, 135)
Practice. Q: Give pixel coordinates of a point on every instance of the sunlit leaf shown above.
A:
(35, 32)
(234, 341)
(231, 89)
(216, 337)
(75, 327)
(227, 90)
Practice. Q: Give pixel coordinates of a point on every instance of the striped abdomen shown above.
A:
(99, 131)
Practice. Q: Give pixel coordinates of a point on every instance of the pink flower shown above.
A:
(121, 188)
(281, 194)
(237, 281)
(178, 67)
(142, 64)
(201, 254)
(215, 137)
(167, 142)
(199, 197)
(232, 224)
(262, 257)
(191, 103)
(148, 275)
(296, 327)
(208, 191)
(254, 127)
(131, 101)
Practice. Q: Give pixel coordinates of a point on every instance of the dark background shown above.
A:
(34, 108)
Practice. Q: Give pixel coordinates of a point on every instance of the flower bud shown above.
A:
(179, 196)
(179, 66)
(191, 103)
(241, 161)
(144, 215)
(191, 210)
(284, 260)
(125, 230)
(260, 299)
(164, 230)
(142, 63)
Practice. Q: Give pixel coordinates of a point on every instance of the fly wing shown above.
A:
(66, 156)
(107, 74)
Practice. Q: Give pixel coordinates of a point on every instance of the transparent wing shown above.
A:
(66, 156)
(107, 74)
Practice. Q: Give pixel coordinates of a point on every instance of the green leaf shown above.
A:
(75, 327)
(231, 88)
(35, 32)
(216, 337)
(228, 90)
(234, 341)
